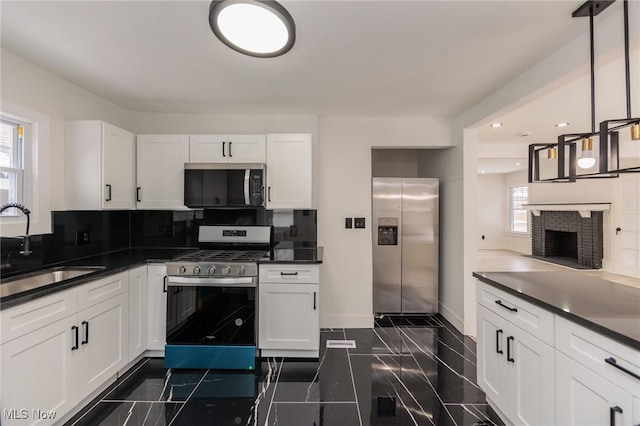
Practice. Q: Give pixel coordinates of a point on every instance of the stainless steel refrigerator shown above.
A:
(405, 245)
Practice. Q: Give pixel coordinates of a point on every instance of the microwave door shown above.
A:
(214, 188)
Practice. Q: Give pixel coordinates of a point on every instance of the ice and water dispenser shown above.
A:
(388, 231)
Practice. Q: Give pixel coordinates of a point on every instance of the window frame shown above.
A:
(511, 209)
(20, 160)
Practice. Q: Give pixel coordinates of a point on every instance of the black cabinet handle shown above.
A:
(109, 192)
(85, 324)
(612, 361)
(314, 300)
(509, 358)
(499, 302)
(164, 287)
(230, 149)
(138, 194)
(223, 143)
(612, 414)
(269, 194)
(498, 350)
(290, 274)
(74, 330)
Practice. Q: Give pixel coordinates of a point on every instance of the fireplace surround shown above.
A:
(566, 236)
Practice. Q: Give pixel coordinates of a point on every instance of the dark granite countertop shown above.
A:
(603, 306)
(287, 253)
(113, 262)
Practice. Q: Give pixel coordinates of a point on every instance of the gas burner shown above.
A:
(223, 256)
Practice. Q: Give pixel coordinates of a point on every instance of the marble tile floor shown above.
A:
(405, 371)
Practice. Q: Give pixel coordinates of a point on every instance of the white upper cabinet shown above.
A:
(160, 172)
(227, 148)
(99, 166)
(289, 171)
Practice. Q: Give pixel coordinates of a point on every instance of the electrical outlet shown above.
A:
(293, 230)
(82, 237)
(483, 237)
(358, 222)
(348, 223)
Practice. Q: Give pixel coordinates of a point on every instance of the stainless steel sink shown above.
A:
(44, 278)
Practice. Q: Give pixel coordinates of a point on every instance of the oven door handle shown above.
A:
(212, 282)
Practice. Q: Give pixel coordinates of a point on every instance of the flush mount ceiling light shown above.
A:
(260, 28)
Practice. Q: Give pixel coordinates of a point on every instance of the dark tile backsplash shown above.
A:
(115, 230)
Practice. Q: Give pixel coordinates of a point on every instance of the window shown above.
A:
(518, 215)
(12, 139)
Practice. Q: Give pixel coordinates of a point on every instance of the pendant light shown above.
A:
(586, 160)
(259, 28)
(609, 129)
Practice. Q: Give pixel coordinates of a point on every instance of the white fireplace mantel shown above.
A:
(584, 209)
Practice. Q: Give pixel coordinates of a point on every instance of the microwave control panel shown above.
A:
(256, 188)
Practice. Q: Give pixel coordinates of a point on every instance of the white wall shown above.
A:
(345, 191)
(490, 202)
(446, 165)
(394, 163)
(27, 87)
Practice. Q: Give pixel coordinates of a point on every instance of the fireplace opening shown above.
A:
(561, 244)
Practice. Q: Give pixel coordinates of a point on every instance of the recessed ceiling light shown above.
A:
(260, 28)
(525, 134)
(517, 164)
(494, 125)
(484, 171)
(565, 124)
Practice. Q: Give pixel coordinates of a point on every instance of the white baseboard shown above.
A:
(450, 316)
(346, 321)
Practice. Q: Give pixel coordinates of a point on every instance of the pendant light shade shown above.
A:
(260, 28)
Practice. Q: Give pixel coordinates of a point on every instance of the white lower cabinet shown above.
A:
(40, 375)
(137, 311)
(47, 371)
(516, 370)
(288, 312)
(586, 398)
(156, 307)
(103, 342)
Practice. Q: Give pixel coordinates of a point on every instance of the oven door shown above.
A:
(211, 323)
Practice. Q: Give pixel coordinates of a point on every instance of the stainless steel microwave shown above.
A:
(223, 185)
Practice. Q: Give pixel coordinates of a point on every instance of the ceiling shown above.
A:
(364, 58)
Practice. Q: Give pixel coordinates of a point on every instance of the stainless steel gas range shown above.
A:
(211, 299)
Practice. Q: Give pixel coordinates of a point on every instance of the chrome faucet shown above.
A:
(25, 239)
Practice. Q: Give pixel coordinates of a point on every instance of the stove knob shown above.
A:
(226, 270)
(196, 270)
(182, 270)
(242, 270)
(212, 270)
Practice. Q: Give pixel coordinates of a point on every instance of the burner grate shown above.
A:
(223, 256)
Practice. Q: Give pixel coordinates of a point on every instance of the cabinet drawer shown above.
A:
(103, 289)
(30, 316)
(532, 319)
(289, 274)
(591, 349)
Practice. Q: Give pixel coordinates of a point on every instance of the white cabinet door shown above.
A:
(246, 148)
(492, 357)
(40, 372)
(160, 172)
(157, 307)
(288, 316)
(208, 149)
(137, 311)
(289, 171)
(99, 166)
(531, 376)
(586, 398)
(103, 342)
(227, 148)
(118, 168)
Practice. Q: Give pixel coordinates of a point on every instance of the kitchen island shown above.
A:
(559, 347)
